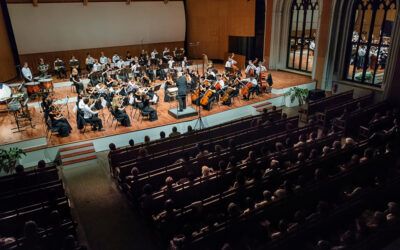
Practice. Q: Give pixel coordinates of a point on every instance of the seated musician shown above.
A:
(160, 71)
(90, 116)
(120, 113)
(254, 87)
(184, 62)
(153, 96)
(219, 87)
(165, 54)
(58, 121)
(128, 56)
(261, 68)
(103, 58)
(93, 78)
(115, 58)
(77, 82)
(96, 66)
(74, 63)
(230, 62)
(43, 68)
(210, 74)
(59, 69)
(124, 89)
(26, 73)
(231, 92)
(251, 68)
(89, 62)
(135, 69)
(120, 64)
(171, 63)
(148, 110)
(153, 54)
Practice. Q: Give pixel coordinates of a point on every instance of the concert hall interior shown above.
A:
(199, 124)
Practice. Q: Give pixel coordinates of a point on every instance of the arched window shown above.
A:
(369, 40)
(302, 33)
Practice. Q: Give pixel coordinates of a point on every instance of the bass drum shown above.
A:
(32, 87)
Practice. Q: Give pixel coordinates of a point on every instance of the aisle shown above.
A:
(104, 216)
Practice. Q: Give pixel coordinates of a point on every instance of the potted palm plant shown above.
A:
(297, 94)
(9, 159)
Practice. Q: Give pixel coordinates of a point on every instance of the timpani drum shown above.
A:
(46, 84)
(32, 87)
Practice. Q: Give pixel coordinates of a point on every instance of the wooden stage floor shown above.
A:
(7, 123)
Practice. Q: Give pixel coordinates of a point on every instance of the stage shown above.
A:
(39, 140)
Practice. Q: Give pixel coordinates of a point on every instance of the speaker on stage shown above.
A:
(316, 94)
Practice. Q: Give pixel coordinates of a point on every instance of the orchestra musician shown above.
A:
(77, 82)
(184, 62)
(43, 68)
(74, 64)
(160, 70)
(230, 62)
(128, 56)
(115, 58)
(171, 63)
(153, 54)
(251, 68)
(119, 111)
(254, 88)
(97, 66)
(103, 58)
(210, 74)
(261, 68)
(26, 73)
(89, 62)
(166, 54)
(135, 69)
(59, 69)
(181, 83)
(90, 116)
(148, 110)
(58, 121)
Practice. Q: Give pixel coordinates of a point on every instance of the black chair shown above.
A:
(50, 128)
(115, 118)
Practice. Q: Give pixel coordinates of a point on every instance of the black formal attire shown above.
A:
(63, 126)
(181, 83)
(122, 117)
(77, 83)
(147, 110)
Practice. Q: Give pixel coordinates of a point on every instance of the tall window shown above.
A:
(370, 40)
(302, 32)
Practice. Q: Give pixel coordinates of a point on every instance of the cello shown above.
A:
(206, 98)
(246, 88)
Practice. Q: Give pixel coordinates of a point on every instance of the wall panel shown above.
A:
(7, 68)
(211, 22)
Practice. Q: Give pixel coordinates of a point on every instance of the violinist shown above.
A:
(89, 62)
(253, 88)
(171, 63)
(154, 53)
(119, 112)
(115, 58)
(58, 121)
(90, 116)
(135, 69)
(96, 66)
(103, 58)
(128, 56)
(160, 71)
(77, 82)
(153, 97)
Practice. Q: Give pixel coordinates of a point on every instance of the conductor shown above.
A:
(182, 91)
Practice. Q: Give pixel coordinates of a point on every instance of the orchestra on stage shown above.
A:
(128, 86)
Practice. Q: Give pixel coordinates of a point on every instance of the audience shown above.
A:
(175, 132)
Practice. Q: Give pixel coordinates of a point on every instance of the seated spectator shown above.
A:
(174, 132)
(278, 147)
(169, 184)
(284, 116)
(250, 205)
(394, 130)
(251, 158)
(112, 147)
(301, 158)
(324, 133)
(240, 180)
(6, 241)
(206, 171)
(146, 139)
(71, 244)
(393, 213)
(131, 143)
(267, 198)
(332, 130)
(189, 130)
(374, 119)
(201, 152)
(31, 239)
(325, 151)
(313, 155)
(162, 135)
(20, 170)
(233, 210)
(41, 164)
(312, 137)
(353, 162)
(368, 155)
(288, 143)
(349, 143)
(168, 213)
(134, 174)
(301, 142)
(336, 146)
(146, 200)
(280, 193)
(298, 219)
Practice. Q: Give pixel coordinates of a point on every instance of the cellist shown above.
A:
(250, 69)
(252, 85)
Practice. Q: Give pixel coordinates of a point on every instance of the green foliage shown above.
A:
(297, 93)
(9, 158)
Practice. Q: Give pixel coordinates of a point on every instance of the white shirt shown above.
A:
(115, 59)
(361, 52)
(250, 67)
(100, 89)
(97, 67)
(58, 61)
(171, 64)
(135, 68)
(103, 60)
(89, 60)
(120, 64)
(211, 73)
(229, 63)
(253, 82)
(221, 83)
(27, 72)
(260, 69)
(153, 55)
(131, 99)
(88, 112)
(312, 45)
(81, 104)
(183, 64)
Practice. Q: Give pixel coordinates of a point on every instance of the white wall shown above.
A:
(70, 26)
